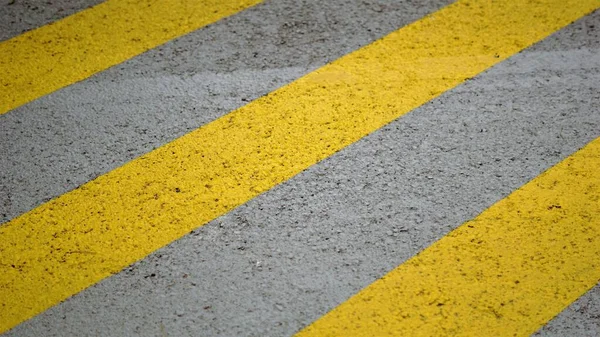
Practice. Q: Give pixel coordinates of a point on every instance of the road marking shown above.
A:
(59, 54)
(505, 273)
(83, 236)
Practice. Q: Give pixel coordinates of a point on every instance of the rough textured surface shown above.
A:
(70, 50)
(506, 272)
(285, 258)
(91, 127)
(582, 318)
(104, 226)
(19, 16)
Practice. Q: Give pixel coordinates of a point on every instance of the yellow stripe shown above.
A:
(51, 57)
(85, 235)
(505, 273)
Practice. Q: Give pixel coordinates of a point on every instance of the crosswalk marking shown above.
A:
(83, 236)
(51, 57)
(505, 273)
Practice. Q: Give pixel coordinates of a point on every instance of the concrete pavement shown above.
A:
(285, 258)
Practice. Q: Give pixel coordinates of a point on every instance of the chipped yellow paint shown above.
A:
(54, 56)
(505, 273)
(83, 236)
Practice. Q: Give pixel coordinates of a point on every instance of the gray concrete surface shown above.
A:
(581, 319)
(277, 263)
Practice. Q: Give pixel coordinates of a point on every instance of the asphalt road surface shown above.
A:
(272, 244)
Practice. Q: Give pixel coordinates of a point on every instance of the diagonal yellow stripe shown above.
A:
(54, 56)
(69, 243)
(505, 273)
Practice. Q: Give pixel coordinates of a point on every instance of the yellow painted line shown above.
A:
(505, 273)
(51, 57)
(83, 236)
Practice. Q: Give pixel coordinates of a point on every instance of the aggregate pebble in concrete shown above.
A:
(282, 260)
(60, 141)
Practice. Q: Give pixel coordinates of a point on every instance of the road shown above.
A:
(257, 169)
